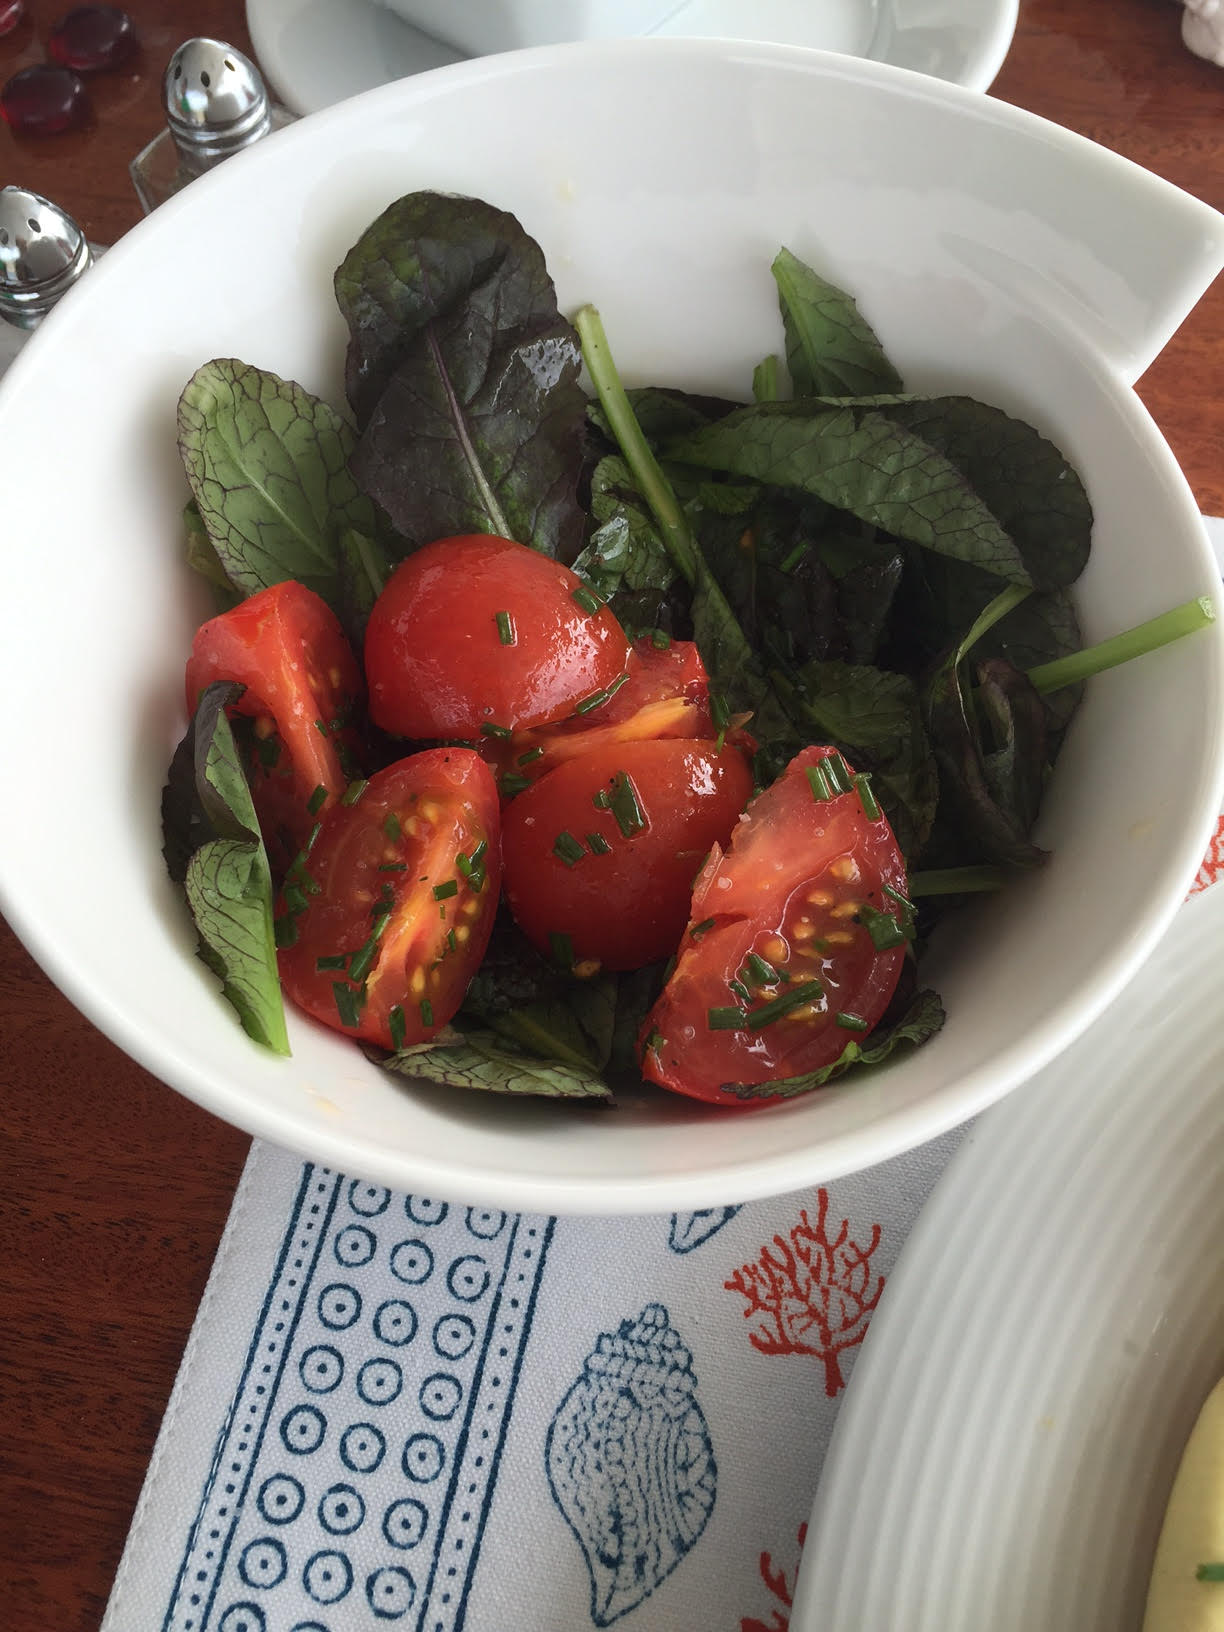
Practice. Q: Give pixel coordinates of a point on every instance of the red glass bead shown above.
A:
(11, 13)
(92, 39)
(42, 101)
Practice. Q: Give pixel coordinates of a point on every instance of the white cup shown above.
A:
(481, 27)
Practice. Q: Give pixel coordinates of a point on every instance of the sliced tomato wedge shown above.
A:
(665, 693)
(286, 646)
(386, 917)
(794, 944)
(600, 855)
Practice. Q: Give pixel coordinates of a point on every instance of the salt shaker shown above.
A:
(216, 103)
(42, 255)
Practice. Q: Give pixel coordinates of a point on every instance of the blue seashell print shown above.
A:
(630, 1461)
(689, 1230)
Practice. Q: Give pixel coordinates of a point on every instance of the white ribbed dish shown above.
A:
(1056, 1319)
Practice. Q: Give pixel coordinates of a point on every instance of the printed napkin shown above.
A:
(396, 1410)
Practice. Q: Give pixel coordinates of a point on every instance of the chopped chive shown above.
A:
(393, 866)
(505, 629)
(720, 711)
(531, 755)
(391, 825)
(598, 845)
(285, 931)
(818, 782)
(602, 800)
(956, 881)
(883, 928)
(268, 751)
(726, 1019)
(479, 853)
(793, 557)
(895, 895)
(450, 940)
(295, 898)
(568, 849)
(354, 791)
(443, 892)
(385, 901)
(760, 972)
(315, 803)
(738, 989)
(489, 730)
(512, 784)
(615, 686)
(562, 949)
(320, 728)
(871, 808)
(589, 602)
(838, 772)
(347, 1003)
(653, 1042)
(395, 1025)
(851, 1022)
(334, 960)
(660, 639)
(426, 1012)
(698, 930)
(625, 805)
(794, 999)
(362, 960)
(1209, 1572)
(596, 700)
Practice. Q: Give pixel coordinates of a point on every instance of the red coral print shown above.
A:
(809, 1294)
(1213, 861)
(782, 1589)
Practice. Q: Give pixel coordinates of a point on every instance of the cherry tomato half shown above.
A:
(478, 634)
(385, 919)
(666, 694)
(794, 925)
(286, 646)
(600, 855)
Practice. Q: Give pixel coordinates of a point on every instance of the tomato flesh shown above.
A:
(786, 911)
(600, 855)
(478, 633)
(286, 646)
(389, 914)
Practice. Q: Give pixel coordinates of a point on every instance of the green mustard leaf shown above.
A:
(831, 350)
(921, 1020)
(625, 553)
(463, 376)
(202, 558)
(875, 718)
(860, 461)
(491, 1063)
(267, 464)
(213, 848)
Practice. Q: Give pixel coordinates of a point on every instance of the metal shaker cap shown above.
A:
(215, 100)
(42, 254)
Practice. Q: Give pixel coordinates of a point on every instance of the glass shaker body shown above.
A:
(160, 170)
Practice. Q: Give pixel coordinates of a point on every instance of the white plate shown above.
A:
(1056, 1319)
(316, 52)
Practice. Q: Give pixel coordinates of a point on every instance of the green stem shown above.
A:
(956, 881)
(1107, 654)
(653, 485)
(991, 614)
(765, 387)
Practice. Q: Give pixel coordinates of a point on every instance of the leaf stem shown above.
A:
(653, 484)
(956, 881)
(1107, 654)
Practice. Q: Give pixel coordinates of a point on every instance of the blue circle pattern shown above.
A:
(263, 1562)
(424, 1458)
(321, 1369)
(423, 1211)
(303, 1429)
(281, 1498)
(390, 1592)
(244, 1617)
(405, 1523)
(485, 1222)
(468, 1278)
(441, 1396)
(395, 1322)
(341, 1510)
(355, 1246)
(379, 1382)
(412, 1262)
(362, 1447)
(339, 1306)
(327, 1577)
(368, 1199)
(453, 1336)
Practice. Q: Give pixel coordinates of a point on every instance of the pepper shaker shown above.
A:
(216, 103)
(42, 255)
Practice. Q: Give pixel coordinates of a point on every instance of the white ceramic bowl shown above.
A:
(994, 253)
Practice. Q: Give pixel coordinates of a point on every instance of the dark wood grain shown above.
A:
(113, 1190)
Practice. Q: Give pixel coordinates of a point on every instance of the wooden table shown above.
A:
(113, 1189)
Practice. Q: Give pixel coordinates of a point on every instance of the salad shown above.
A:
(544, 740)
